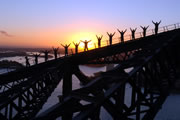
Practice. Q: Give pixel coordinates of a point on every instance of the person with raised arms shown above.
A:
(86, 44)
(76, 47)
(122, 34)
(133, 33)
(110, 37)
(144, 30)
(36, 58)
(55, 50)
(99, 40)
(66, 49)
(156, 24)
(46, 52)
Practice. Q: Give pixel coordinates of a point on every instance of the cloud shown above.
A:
(4, 33)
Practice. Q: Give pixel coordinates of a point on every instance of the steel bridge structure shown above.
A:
(153, 62)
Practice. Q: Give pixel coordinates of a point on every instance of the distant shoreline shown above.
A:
(4, 51)
(12, 54)
(10, 64)
(17, 53)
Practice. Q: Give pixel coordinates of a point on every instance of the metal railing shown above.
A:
(138, 35)
(149, 80)
(42, 72)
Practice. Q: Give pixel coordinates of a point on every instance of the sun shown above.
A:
(82, 36)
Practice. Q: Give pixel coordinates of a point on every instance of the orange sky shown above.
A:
(47, 23)
(54, 36)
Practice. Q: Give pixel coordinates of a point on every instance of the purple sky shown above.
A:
(47, 22)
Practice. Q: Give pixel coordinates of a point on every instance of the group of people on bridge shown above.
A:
(99, 38)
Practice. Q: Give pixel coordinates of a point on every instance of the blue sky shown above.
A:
(37, 17)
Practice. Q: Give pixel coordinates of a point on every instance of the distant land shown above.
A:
(10, 64)
(21, 49)
(12, 54)
(17, 51)
(4, 49)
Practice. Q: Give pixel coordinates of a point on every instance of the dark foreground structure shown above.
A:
(153, 61)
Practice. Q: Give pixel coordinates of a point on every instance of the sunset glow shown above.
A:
(89, 59)
(47, 23)
(82, 36)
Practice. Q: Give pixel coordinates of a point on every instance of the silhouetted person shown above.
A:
(46, 52)
(66, 49)
(110, 37)
(99, 40)
(55, 51)
(76, 47)
(133, 33)
(86, 44)
(27, 61)
(156, 24)
(122, 34)
(36, 58)
(144, 30)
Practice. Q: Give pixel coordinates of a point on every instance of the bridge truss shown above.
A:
(152, 61)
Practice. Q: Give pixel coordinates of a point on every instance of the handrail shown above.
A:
(104, 44)
(51, 63)
(140, 44)
(138, 35)
(100, 99)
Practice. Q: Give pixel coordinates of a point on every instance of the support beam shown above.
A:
(80, 75)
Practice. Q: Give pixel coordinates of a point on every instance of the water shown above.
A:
(4, 70)
(20, 59)
(170, 109)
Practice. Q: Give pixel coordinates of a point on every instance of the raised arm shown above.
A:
(159, 22)
(147, 27)
(113, 33)
(62, 45)
(125, 30)
(55, 49)
(101, 36)
(69, 45)
(142, 27)
(74, 43)
(108, 33)
(118, 30)
(135, 29)
(130, 29)
(153, 22)
(89, 41)
(97, 37)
